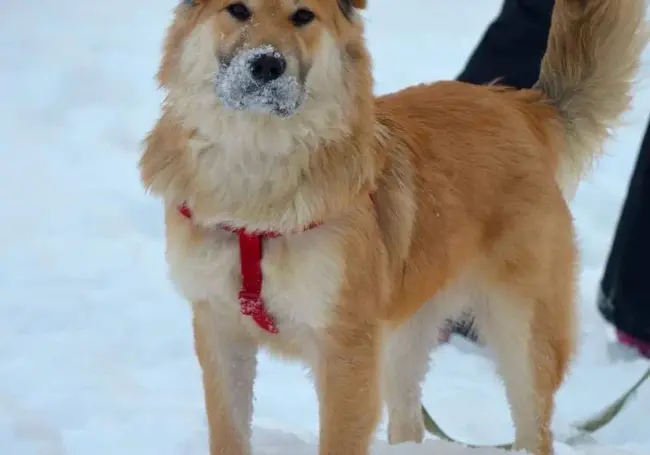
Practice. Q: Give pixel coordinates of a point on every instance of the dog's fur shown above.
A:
(435, 199)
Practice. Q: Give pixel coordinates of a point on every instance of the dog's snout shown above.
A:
(267, 67)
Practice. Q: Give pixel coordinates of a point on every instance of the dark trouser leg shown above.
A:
(513, 45)
(510, 50)
(625, 287)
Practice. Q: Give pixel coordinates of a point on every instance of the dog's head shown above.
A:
(267, 57)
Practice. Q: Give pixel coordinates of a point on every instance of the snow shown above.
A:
(95, 346)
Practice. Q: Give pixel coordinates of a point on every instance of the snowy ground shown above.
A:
(95, 348)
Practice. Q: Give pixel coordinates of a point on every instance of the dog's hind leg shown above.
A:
(527, 318)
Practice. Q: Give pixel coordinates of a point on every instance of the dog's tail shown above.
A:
(591, 62)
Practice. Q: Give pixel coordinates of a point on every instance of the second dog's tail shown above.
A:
(591, 62)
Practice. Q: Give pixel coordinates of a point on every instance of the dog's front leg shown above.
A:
(348, 388)
(228, 361)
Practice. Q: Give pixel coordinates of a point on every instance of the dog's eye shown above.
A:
(302, 17)
(189, 3)
(239, 11)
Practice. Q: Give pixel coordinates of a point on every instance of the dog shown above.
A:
(340, 229)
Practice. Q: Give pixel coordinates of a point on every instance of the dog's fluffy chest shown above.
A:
(302, 275)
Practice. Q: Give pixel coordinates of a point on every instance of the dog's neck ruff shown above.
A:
(250, 251)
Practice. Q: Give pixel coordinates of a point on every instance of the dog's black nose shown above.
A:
(267, 67)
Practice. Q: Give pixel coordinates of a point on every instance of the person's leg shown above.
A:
(624, 298)
(513, 45)
(511, 51)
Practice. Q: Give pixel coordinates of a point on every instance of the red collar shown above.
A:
(250, 251)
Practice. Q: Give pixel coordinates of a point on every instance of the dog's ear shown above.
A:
(347, 5)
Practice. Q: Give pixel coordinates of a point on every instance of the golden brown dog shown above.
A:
(377, 217)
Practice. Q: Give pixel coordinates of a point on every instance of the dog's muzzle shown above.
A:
(257, 80)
